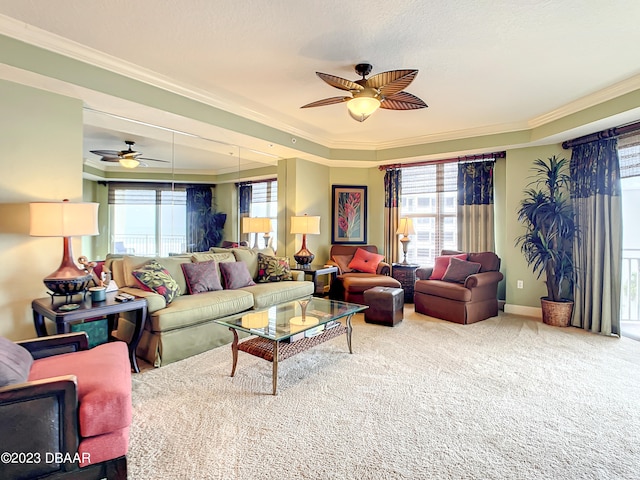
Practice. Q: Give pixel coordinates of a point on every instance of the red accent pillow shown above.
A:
(442, 263)
(365, 261)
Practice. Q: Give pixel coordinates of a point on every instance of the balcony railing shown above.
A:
(147, 244)
(629, 304)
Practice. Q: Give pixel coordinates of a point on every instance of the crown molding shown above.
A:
(40, 38)
(609, 93)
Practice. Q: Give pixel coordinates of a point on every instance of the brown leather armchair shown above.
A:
(71, 417)
(475, 299)
(349, 286)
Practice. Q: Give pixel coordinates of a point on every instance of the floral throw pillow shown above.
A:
(273, 269)
(155, 277)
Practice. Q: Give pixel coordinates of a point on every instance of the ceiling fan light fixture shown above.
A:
(129, 162)
(362, 107)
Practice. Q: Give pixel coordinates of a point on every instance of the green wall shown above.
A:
(514, 267)
(41, 138)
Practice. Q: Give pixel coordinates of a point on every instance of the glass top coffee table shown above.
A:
(289, 328)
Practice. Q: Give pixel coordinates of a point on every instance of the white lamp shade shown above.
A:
(63, 219)
(306, 224)
(256, 225)
(405, 227)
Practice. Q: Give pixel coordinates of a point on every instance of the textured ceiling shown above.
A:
(484, 66)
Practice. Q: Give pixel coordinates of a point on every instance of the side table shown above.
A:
(49, 307)
(314, 271)
(406, 275)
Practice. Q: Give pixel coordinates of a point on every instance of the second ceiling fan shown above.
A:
(383, 90)
(127, 158)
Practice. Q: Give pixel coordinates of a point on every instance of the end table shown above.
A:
(405, 273)
(49, 307)
(314, 271)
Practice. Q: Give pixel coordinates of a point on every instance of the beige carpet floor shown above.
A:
(507, 398)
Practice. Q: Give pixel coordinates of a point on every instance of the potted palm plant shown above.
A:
(547, 213)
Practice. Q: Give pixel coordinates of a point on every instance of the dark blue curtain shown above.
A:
(204, 224)
(475, 206)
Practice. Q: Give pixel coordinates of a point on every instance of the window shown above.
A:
(428, 194)
(264, 203)
(147, 218)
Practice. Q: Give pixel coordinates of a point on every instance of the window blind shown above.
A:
(629, 154)
(130, 193)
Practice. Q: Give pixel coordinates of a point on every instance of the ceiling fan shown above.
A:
(127, 158)
(383, 90)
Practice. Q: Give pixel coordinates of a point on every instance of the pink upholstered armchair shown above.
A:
(65, 410)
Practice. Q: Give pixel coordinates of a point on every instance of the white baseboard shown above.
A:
(523, 310)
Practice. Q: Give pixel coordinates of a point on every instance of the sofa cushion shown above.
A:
(440, 288)
(157, 278)
(236, 275)
(269, 294)
(104, 385)
(458, 270)
(201, 277)
(273, 269)
(441, 264)
(365, 261)
(250, 257)
(15, 362)
(188, 310)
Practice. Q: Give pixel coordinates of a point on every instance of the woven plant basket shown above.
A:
(557, 314)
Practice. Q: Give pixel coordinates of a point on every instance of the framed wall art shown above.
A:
(349, 214)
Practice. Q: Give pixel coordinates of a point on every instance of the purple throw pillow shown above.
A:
(458, 270)
(201, 277)
(235, 275)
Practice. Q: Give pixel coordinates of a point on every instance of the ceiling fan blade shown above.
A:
(326, 101)
(106, 153)
(384, 78)
(402, 101)
(398, 81)
(110, 159)
(152, 159)
(339, 82)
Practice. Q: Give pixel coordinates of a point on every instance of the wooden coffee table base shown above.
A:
(273, 351)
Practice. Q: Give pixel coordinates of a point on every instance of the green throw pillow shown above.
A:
(156, 278)
(273, 269)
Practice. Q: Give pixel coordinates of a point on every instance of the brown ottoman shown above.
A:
(386, 305)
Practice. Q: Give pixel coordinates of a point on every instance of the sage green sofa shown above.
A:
(186, 326)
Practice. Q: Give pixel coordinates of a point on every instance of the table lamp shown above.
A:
(405, 228)
(305, 225)
(257, 225)
(65, 219)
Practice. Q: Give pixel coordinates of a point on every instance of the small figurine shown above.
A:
(88, 267)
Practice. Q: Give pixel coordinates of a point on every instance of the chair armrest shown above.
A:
(334, 264)
(423, 273)
(383, 269)
(56, 344)
(39, 417)
(484, 278)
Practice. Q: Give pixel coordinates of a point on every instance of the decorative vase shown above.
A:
(557, 314)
